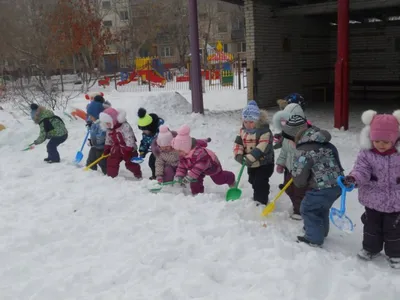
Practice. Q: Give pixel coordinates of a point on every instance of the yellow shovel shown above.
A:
(95, 162)
(271, 206)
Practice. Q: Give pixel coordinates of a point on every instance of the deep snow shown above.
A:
(71, 234)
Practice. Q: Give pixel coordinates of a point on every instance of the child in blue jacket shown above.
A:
(149, 124)
(97, 136)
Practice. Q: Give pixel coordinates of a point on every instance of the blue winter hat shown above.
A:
(251, 112)
(94, 109)
(296, 98)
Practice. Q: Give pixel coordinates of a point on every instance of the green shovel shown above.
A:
(235, 193)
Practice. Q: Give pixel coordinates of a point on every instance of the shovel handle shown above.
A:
(240, 174)
(266, 209)
(95, 162)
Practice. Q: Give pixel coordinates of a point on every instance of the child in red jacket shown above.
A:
(196, 162)
(120, 142)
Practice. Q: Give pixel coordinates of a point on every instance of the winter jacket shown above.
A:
(120, 140)
(164, 159)
(97, 135)
(50, 125)
(316, 163)
(147, 140)
(257, 144)
(199, 161)
(378, 180)
(288, 148)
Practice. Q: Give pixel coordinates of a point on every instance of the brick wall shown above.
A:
(294, 53)
(288, 51)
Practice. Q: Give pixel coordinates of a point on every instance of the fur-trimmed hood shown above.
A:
(289, 110)
(113, 116)
(40, 113)
(367, 117)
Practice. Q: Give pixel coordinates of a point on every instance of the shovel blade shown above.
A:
(268, 209)
(341, 221)
(137, 160)
(78, 157)
(233, 194)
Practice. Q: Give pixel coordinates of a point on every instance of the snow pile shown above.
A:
(70, 234)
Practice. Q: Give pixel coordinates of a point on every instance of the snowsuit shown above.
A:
(377, 176)
(53, 128)
(200, 162)
(145, 147)
(257, 147)
(97, 140)
(121, 145)
(287, 153)
(317, 167)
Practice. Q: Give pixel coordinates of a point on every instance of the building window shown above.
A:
(242, 47)
(222, 28)
(166, 52)
(106, 5)
(123, 15)
(107, 23)
(226, 48)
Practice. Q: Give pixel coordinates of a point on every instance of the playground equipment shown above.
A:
(104, 82)
(148, 69)
(79, 113)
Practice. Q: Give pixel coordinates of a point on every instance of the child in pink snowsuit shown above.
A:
(196, 162)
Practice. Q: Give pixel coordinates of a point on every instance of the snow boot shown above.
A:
(46, 159)
(366, 255)
(394, 262)
(303, 239)
(296, 217)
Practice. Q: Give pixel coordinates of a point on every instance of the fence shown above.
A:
(152, 75)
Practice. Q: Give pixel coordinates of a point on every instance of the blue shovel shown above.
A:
(338, 216)
(79, 154)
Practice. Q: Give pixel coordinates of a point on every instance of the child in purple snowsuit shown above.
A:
(376, 173)
(196, 162)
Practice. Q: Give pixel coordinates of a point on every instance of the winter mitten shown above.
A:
(239, 158)
(249, 160)
(160, 179)
(89, 143)
(142, 154)
(89, 124)
(349, 180)
(187, 180)
(279, 169)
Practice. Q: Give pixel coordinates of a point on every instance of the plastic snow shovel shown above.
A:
(158, 187)
(271, 206)
(137, 159)
(338, 216)
(79, 154)
(95, 162)
(235, 193)
(30, 147)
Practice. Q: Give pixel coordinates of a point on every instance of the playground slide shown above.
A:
(79, 113)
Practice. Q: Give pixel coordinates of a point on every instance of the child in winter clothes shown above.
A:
(376, 173)
(96, 97)
(97, 136)
(196, 162)
(120, 142)
(292, 104)
(149, 124)
(52, 127)
(284, 163)
(167, 158)
(253, 144)
(316, 167)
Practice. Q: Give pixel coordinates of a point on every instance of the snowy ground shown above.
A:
(71, 234)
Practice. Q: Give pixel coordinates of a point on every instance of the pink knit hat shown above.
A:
(182, 141)
(382, 127)
(164, 137)
(113, 116)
